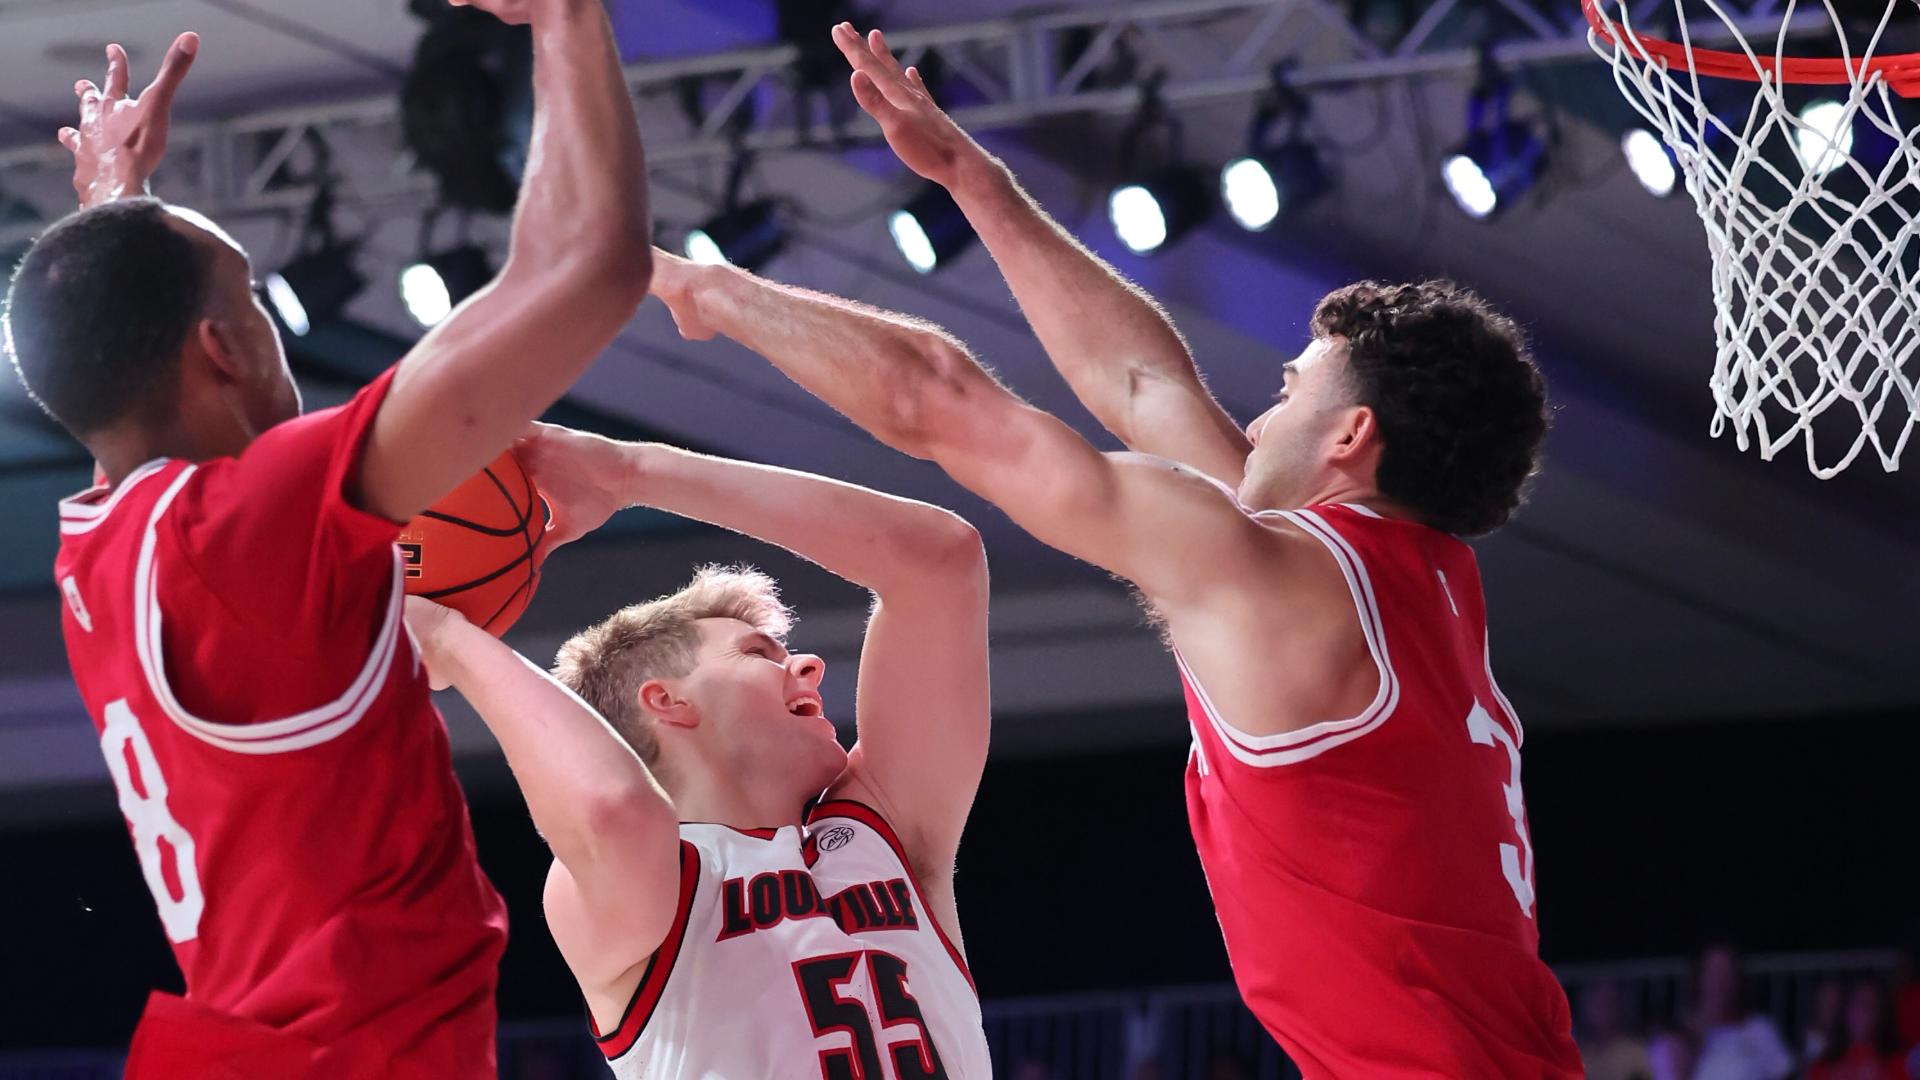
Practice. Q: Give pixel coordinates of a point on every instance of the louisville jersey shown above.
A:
(801, 953)
(235, 630)
(1374, 875)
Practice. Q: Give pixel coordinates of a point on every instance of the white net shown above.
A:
(1811, 208)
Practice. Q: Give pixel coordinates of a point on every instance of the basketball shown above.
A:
(478, 550)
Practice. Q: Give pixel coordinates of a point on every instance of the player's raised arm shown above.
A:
(1165, 527)
(923, 688)
(578, 264)
(119, 140)
(614, 834)
(1114, 345)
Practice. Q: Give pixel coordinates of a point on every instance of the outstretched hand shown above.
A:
(578, 474)
(924, 138)
(120, 140)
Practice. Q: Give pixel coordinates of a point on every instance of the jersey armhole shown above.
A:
(868, 816)
(653, 981)
(1303, 744)
(310, 728)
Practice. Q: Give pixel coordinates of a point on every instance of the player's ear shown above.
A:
(216, 340)
(1356, 432)
(664, 705)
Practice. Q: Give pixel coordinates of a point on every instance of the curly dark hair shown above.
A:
(1461, 407)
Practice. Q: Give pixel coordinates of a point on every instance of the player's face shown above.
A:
(1292, 440)
(263, 386)
(764, 707)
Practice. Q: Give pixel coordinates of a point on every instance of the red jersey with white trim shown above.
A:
(1374, 875)
(235, 630)
(800, 953)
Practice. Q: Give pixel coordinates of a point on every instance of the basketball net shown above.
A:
(1812, 226)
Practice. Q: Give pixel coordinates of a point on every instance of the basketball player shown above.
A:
(736, 895)
(233, 601)
(1354, 786)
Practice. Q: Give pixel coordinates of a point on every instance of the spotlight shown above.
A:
(436, 284)
(745, 236)
(1259, 188)
(1281, 171)
(1152, 212)
(930, 230)
(314, 288)
(1651, 162)
(1492, 169)
(1823, 139)
(1500, 159)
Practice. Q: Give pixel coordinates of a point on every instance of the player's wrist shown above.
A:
(979, 175)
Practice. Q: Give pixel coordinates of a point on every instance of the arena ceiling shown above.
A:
(1658, 575)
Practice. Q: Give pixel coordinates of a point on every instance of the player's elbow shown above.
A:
(945, 541)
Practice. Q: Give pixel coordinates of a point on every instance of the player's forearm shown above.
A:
(585, 788)
(584, 198)
(881, 369)
(884, 543)
(1103, 333)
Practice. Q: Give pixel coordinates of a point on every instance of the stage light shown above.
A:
(1650, 161)
(1824, 137)
(1150, 213)
(1259, 188)
(1494, 168)
(433, 286)
(745, 236)
(930, 230)
(314, 288)
(1500, 159)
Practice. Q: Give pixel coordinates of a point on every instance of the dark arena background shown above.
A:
(1713, 654)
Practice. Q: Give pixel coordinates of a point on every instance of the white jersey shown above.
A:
(801, 953)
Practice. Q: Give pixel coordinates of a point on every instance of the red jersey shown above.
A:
(1374, 875)
(235, 630)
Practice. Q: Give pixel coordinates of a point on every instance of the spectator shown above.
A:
(1723, 1039)
(1828, 997)
(1864, 1045)
(1609, 1050)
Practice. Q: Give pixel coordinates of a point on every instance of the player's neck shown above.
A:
(723, 802)
(121, 450)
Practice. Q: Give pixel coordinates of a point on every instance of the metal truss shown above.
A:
(1001, 73)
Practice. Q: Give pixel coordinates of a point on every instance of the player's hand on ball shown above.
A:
(511, 12)
(430, 623)
(572, 469)
(923, 136)
(120, 140)
(676, 282)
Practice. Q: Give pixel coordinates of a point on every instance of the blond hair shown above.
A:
(607, 663)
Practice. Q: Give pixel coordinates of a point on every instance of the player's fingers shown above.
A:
(913, 76)
(173, 70)
(877, 45)
(70, 139)
(116, 72)
(867, 93)
(854, 48)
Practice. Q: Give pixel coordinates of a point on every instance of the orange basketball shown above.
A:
(478, 549)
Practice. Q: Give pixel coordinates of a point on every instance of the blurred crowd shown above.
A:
(1857, 1029)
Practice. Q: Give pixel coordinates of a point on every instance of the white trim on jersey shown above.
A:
(296, 732)
(79, 517)
(1513, 715)
(1292, 747)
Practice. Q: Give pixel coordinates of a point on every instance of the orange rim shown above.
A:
(1902, 72)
